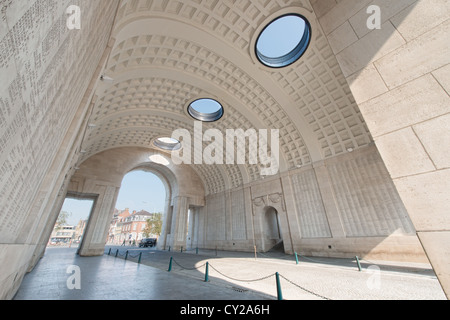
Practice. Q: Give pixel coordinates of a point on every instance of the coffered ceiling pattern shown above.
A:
(168, 53)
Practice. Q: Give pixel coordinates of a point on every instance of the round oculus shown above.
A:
(283, 41)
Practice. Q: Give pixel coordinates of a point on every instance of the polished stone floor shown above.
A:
(232, 276)
(108, 278)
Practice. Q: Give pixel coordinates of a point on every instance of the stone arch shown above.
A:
(102, 175)
(270, 219)
(271, 224)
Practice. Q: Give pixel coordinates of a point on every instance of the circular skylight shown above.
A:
(167, 144)
(207, 110)
(283, 41)
(159, 159)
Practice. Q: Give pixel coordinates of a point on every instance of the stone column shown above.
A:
(165, 228)
(249, 215)
(258, 205)
(191, 222)
(179, 222)
(94, 237)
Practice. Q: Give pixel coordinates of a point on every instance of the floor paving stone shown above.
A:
(231, 275)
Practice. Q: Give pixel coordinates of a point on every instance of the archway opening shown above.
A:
(272, 231)
(71, 222)
(139, 210)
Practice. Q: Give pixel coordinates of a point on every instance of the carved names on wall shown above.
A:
(45, 70)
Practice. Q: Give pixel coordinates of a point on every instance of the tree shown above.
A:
(62, 219)
(154, 225)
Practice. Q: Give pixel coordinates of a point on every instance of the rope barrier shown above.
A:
(302, 288)
(207, 264)
(195, 268)
(259, 279)
(131, 256)
(356, 259)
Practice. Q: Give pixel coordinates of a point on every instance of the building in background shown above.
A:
(66, 235)
(62, 235)
(128, 227)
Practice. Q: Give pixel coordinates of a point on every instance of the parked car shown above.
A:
(148, 242)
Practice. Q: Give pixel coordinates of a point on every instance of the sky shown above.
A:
(78, 210)
(140, 191)
(282, 36)
(206, 106)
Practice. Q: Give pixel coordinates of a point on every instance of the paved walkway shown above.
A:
(232, 276)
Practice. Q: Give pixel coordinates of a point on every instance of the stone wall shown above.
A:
(399, 76)
(47, 70)
(344, 206)
(348, 204)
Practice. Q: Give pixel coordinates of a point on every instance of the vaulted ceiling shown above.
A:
(168, 53)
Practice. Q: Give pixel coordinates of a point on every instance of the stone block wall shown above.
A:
(45, 90)
(343, 206)
(399, 76)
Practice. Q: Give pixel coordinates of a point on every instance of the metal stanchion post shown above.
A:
(170, 264)
(357, 262)
(207, 272)
(296, 257)
(279, 293)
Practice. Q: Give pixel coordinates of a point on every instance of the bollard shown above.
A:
(296, 257)
(196, 250)
(181, 249)
(170, 264)
(279, 293)
(117, 252)
(357, 262)
(169, 248)
(207, 272)
(109, 252)
(140, 256)
(126, 255)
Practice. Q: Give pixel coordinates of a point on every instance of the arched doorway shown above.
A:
(272, 232)
(72, 220)
(103, 174)
(141, 198)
